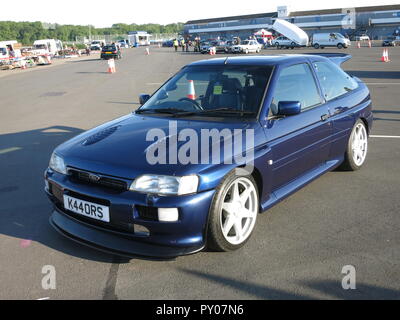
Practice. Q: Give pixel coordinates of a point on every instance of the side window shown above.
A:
(296, 83)
(334, 81)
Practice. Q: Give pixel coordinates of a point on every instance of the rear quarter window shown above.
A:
(334, 81)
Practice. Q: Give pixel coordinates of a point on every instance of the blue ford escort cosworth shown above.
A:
(221, 141)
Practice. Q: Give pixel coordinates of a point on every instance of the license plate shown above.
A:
(108, 52)
(87, 209)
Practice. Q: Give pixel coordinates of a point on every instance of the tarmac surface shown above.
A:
(298, 248)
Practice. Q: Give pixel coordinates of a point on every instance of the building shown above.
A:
(376, 21)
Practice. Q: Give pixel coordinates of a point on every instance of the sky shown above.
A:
(104, 14)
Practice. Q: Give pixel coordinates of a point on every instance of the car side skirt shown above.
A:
(290, 188)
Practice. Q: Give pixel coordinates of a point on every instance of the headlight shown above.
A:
(57, 164)
(168, 185)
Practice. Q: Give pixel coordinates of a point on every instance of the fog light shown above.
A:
(168, 214)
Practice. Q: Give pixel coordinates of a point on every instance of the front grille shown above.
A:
(99, 180)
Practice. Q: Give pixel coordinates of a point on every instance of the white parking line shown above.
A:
(378, 136)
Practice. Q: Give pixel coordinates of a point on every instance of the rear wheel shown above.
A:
(316, 45)
(233, 213)
(357, 148)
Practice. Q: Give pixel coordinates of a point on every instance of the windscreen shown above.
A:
(199, 88)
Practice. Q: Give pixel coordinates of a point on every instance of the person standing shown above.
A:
(183, 44)
(176, 44)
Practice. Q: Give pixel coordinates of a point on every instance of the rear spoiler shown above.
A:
(337, 58)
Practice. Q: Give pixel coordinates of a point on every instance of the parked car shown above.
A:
(390, 42)
(228, 46)
(362, 37)
(247, 46)
(335, 39)
(123, 44)
(96, 45)
(283, 42)
(168, 44)
(113, 187)
(111, 51)
(206, 46)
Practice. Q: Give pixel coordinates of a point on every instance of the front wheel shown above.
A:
(233, 213)
(316, 46)
(357, 148)
(340, 46)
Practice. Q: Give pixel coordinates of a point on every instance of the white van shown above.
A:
(334, 39)
(139, 38)
(10, 49)
(47, 47)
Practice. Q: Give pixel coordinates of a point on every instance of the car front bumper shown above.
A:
(119, 236)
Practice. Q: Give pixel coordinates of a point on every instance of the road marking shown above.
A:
(45, 298)
(154, 84)
(2, 151)
(378, 136)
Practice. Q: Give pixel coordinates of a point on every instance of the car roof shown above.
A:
(259, 60)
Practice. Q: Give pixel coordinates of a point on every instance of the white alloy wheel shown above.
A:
(359, 144)
(239, 210)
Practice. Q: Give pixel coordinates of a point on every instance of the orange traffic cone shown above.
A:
(111, 66)
(369, 44)
(385, 55)
(358, 45)
(191, 93)
(48, 59)
(147, 51)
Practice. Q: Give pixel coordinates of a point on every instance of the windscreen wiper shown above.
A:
(160, 110)
(218, 110)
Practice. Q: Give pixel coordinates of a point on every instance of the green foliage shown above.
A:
(27, 32)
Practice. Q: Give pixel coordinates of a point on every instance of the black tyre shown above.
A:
(340, 46)
(316, 45)
(233, 213)
(357, 148)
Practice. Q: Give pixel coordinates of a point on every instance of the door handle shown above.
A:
(325, 117)
(337, 110)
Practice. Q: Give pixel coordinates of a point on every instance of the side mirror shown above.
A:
(289, 108)
(143, 98)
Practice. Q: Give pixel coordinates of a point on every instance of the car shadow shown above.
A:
(385, 112)
(25, 209)
(333, 289)
(85, 60)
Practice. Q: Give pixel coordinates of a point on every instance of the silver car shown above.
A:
(283, 42)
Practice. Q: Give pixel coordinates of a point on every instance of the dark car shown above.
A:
(168, 44)
(390, 42)
(221, 141)
(110, 52)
